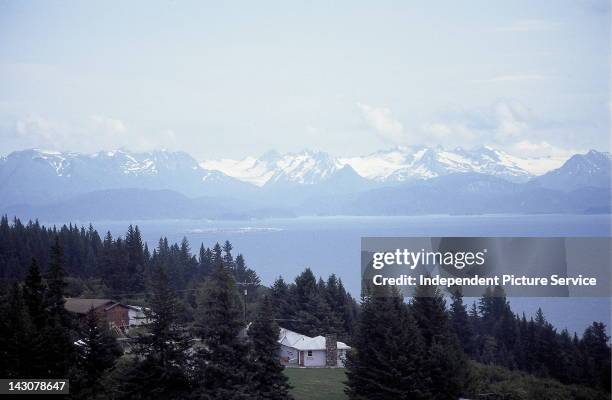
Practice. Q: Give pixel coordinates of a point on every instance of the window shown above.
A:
(309, 353)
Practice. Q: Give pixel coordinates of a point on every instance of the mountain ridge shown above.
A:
(308, 183)
(395, 165)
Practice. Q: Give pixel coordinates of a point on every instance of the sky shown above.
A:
(231, 79)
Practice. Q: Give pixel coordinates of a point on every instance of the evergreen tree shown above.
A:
(228, 259)
(222, 368)
(445, 362)
(350, 311)
(281, 303)
(387, 357)
(205, 261)
(460, 322)
(97, 352)
(135, 259)
(159, 369)
(34, 296)
(55, 278)
(596, 348)
(244, 273)
(267, 380)
(217, 257)
(312, 311)
(17, 349)
(105, 262)
(58, 345)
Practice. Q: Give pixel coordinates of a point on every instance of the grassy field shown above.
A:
(317, 383)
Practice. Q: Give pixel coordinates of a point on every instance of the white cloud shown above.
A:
(510, 125)
(501, 122)
(531, 25)
(382, 121)
(542, 148)
(447, 134)
(37, 131)
(108, 124)
(90, 134)
(513, 119)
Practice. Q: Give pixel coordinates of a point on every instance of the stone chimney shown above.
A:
(331, 350)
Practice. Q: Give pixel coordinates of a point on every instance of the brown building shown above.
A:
(115, 313)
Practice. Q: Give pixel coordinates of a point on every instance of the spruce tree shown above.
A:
(59, 351)
(445, 362)
(34, 295)
(135, 259)
(222, 370)
(281, 303)
(460, 322)
(34, 291)
(267, 380)
(17, 351)
(159, 369)
(387, 357)
(97, 352)
(205, 261)
(596, 348)
(56, 282)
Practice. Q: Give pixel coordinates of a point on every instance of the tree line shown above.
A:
(121, 268)
(422, 349)
(213, 358)
(197, 346)
(315, 307)
(111, 266)
(491, 333)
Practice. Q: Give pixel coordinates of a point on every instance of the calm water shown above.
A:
(328, 245)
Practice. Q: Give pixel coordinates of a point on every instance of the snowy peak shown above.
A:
(66, 173)
(409, 163)
(116, 161)
(396, 165)
(307, 167)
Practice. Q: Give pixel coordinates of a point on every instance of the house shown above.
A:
(115, 313)
(137, 316)
(303, 351)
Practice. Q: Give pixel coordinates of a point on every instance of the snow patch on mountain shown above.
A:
(249, 169)
(398, 164)
(307, 167)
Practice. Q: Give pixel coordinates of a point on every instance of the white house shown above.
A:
(304, 351)
(137, 316)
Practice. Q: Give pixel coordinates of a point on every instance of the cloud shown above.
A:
(108, 124)
(87, 134)
(506, 124)
(382, 121)
(513, 119)
(530, 25)
(541, 148)
(33, 126)
(37, 131)
(447, 133)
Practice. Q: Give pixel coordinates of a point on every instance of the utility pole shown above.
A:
(245, 284)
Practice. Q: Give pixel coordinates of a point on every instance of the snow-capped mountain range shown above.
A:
(34, 176)
(400, 181)
(400, 164)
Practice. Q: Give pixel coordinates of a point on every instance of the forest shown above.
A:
(432, 346)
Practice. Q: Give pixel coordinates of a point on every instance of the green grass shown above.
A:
(317, 383)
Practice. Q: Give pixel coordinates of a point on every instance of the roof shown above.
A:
(303, 342)
(82, 306)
